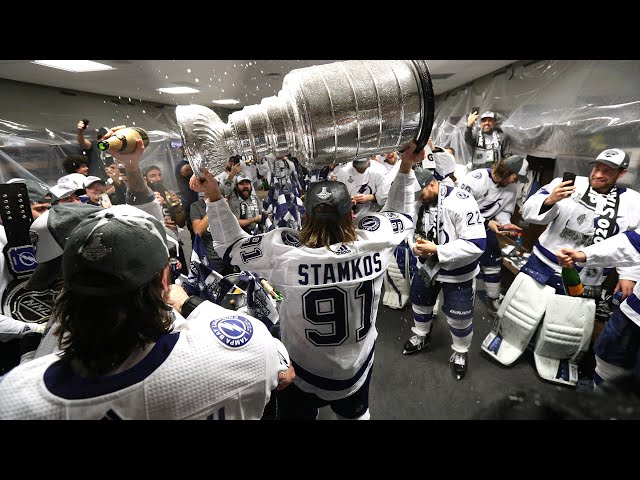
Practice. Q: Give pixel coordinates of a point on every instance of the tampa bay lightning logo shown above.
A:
(461, 194)
(233, 331)
(477, 175)
(22, 259)
(371, 224)
(290, 238)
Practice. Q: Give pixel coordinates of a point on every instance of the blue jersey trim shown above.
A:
(633, 303)
(634, 238)
(481, 243)
(460, 270)
(329, 383)
(62, 382)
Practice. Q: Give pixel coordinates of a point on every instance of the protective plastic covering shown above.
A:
(35, 152)
(568, 110)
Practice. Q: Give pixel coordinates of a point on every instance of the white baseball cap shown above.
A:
(67, 185)
(614, 157)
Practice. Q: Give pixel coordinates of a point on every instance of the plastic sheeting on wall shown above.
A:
(570, 110)
(37, 153)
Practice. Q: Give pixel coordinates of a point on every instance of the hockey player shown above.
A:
(577, 215)
(450, 237)
(618, 346)
(121, 359)
(495, 191)
(330, 275)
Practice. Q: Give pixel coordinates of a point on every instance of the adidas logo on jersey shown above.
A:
(342, 250)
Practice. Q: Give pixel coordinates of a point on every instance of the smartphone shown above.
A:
(108, 160)
(105, 201)
(569, 176)
(475, 110)
(85, 122)
(123, 171)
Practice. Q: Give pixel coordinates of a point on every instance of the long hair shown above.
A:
(323, 231)
(501, 170)
(101, 332)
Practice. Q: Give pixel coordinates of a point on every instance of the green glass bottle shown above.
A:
(572, 282)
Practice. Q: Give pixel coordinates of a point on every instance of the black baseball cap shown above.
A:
(329, 192)
(114, 251)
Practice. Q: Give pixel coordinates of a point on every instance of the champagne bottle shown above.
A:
(572, 282)
(124, 140)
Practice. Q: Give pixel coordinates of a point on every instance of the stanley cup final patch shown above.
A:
(233, 331)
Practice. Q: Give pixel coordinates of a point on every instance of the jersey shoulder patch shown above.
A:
(233, 331)
(462, 194)
(369, 223)
(291, 238)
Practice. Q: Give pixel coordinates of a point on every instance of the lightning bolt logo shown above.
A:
(233, 331)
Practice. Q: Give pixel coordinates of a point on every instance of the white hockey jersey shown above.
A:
(330, 303)
(572, 225)
(371, 182)
(495, 202)
(441, 163)
(220, 366)
(461, 236)
(621, 250)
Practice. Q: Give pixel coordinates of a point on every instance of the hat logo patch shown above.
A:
(323, 195)
(233, 331)
(610, 153)
(94, 250)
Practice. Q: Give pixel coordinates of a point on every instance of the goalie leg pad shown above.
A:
(518, 317)
(564, 337)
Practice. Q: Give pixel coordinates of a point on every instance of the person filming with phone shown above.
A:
(488, 145)
(577, 213)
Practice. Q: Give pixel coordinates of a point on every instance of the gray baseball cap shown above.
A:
(519, 165)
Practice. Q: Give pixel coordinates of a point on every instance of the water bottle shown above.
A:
(324, 114)
(124, 140)
(616, 299)
(572, 282)
(518, 243)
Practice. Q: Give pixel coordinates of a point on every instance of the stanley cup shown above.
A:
(324, 114)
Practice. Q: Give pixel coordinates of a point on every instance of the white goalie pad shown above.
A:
(518, 317)
(564, 337)
(396, 285)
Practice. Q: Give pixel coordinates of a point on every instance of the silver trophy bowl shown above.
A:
(324, 114)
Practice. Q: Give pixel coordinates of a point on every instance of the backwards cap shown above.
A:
(332, 193)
